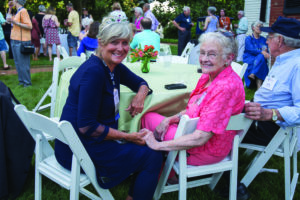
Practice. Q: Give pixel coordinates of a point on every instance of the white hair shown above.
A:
(212, 9)
(139, 10)
(241, 12)
(228, 45)
(186, 8)
(256, 23)
(110, 31)
(290, 42)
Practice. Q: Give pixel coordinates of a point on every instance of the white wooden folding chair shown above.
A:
(230, 163)
(283, 144)
(239, 69)
(63, 51)
(45, 161)
(187, 50)
(58, 66)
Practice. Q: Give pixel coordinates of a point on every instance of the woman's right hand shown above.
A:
(137, 137)
(162, 128)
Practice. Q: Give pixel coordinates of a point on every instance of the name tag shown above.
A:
(188, 20)
(269, 83)
(117, 103)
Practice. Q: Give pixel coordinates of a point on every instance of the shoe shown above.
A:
(26, 85)
(7, 68)
(242, 192)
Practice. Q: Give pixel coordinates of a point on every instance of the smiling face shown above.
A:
(211, 59)
(222, 13)
(114, 52)
(256, 29)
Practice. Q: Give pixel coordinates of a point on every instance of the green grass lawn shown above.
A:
(43, 61)
(265, 186)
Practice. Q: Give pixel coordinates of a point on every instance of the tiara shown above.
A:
(114, 17)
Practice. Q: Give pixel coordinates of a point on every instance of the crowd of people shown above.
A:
(92, 106)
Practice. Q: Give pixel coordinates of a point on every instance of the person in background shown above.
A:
(255, 55)
(150, 15)
(7, 31)
(133, 28)
(35, 36)
(242, 28)
(89, 43)
(39, 17)
(138, 12)
(51, 24)
(211, 21)
(3, 46)
(219, 94)
(92, 107)
(116, 8)
(224, 21)
(73, 27)
(183, 23)
(86, 22)
(146, 37)
(20, 35)
(85, 14)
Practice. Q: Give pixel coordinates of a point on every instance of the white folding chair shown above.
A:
(187, 50)
(283, 144)
(230, 163)
(58, 66)
(179, 60)
(63, 51)
(45, 161)
(239, 69)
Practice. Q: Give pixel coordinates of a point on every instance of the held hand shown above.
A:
(182, 29)
(137, 105)
(137, 137)
(161, 129)
(151, 141)
(256, 112)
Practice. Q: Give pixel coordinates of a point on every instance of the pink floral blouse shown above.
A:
(214, 106)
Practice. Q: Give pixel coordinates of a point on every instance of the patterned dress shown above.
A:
(51, 31)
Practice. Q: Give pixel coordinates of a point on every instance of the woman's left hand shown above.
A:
(151, 141)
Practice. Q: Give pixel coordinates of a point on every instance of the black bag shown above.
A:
(26, 48)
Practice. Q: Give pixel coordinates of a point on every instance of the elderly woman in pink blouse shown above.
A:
(218, 95)
(138, 12)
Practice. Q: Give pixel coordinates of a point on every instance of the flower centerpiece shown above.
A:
(144, 55)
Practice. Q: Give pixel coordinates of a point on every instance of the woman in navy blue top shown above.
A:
(92, 109)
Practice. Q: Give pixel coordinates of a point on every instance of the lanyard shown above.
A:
(115, 92)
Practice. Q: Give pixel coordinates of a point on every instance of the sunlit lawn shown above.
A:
(265, 186)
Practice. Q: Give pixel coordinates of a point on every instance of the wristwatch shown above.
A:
(274, 117)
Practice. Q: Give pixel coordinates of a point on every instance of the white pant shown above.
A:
(241, 46)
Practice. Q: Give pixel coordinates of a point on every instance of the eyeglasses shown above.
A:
(210, 55)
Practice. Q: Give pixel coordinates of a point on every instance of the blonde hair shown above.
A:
(110, 30)
(116, 6)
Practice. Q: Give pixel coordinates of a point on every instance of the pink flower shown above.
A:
(141, 54)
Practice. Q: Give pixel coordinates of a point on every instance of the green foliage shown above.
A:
(170, 31)
(167, 40)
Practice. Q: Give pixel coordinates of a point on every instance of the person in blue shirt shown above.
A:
(277, 102)
(90, 42)
(183, 23)
(146, 37)
(255, 55)
(92, 107)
